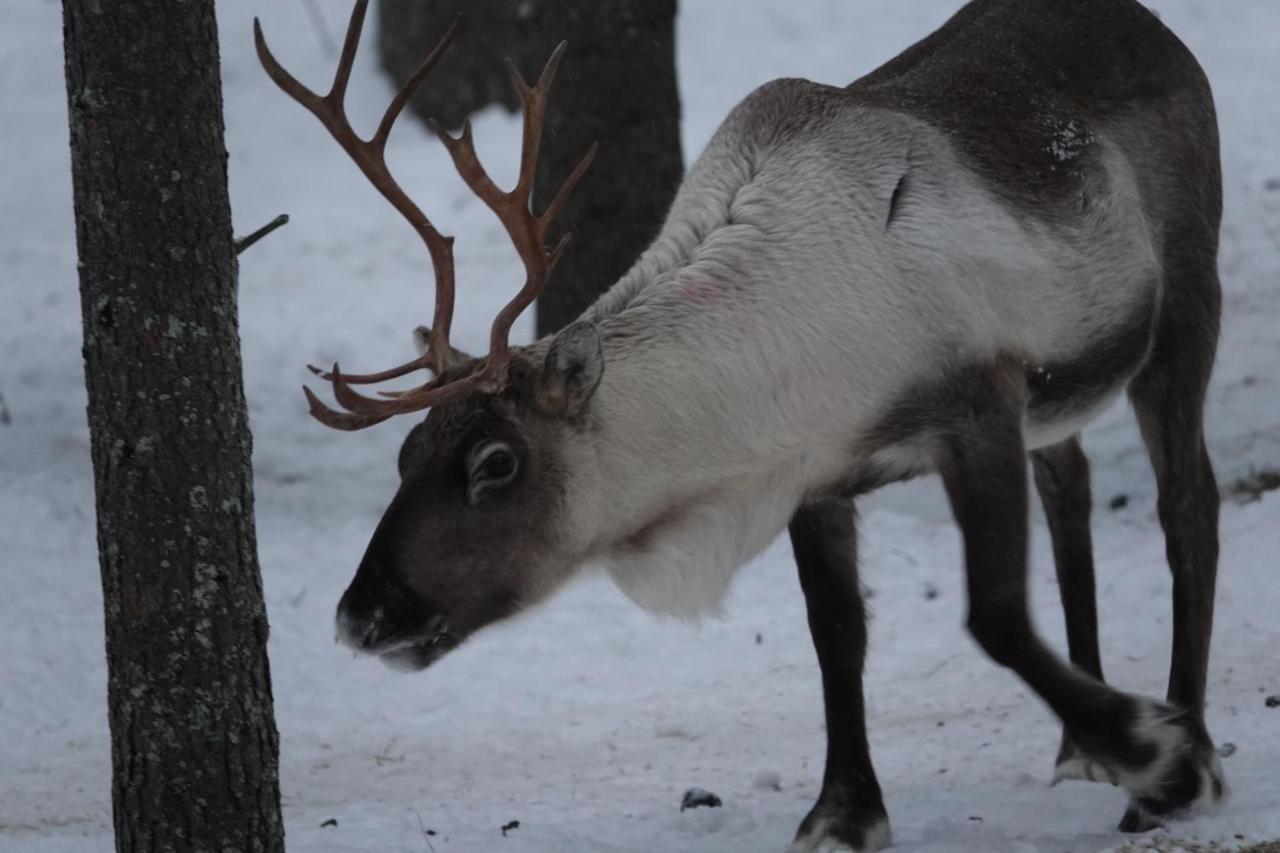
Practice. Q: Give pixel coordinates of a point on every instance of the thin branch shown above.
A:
(243, 243)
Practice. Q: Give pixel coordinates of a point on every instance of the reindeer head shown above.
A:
(479, 527)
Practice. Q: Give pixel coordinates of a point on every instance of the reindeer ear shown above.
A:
(422, 337)
(572, 371)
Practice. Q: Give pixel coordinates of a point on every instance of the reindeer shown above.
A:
(951, 264)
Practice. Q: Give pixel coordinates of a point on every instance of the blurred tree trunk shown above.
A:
(194, 744)
(472, 74)
(616, 85)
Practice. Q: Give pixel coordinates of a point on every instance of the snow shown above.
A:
(586, 720)
(1068, 142)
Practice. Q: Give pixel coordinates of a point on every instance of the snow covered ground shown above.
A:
(587, 719)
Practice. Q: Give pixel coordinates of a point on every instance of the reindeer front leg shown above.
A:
(849, 814)
(1062, 479)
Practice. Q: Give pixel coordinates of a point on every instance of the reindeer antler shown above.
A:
(526, 230)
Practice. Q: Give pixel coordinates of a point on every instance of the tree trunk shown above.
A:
(616, 85)
(472, 75)
(194, 744)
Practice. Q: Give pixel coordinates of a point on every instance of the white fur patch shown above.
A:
(1156, 725)
(684, 565)
(1083, 768)
(817, 840)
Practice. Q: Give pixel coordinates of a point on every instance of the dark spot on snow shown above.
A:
(508, 826)
(759, 639)
(333, 821)
(1273, 701)
(1227, 750)
(974, 817)
(427, 834)
(695, 798)
(1119, 502)
(1272, 185)
(1249, 381)
(930, 592)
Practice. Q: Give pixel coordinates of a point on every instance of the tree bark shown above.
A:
(194, 743)
(616, 85)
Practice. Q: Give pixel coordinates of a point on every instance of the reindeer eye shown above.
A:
(498, 465)
(492, 465)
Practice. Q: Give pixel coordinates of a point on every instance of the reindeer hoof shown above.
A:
(1136, 820)
(1183, 776)
(828, 830)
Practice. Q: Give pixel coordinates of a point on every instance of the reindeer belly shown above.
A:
(1046, 425)
(1066, 393)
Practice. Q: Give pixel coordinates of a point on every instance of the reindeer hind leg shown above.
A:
(1168, 399)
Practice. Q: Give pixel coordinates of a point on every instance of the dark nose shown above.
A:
(377, 609)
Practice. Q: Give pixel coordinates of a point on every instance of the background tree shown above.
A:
(194, 744)
(617, 85)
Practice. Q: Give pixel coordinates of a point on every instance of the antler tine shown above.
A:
(533, 103)
(359, 404)
(566, 188)
(513, 207)
(369, 156)
(347, 59)
(329, 108)
(370, 378)
(433, 393)
(339, 420)
(415, 80)
(351, 400)
(438, 349)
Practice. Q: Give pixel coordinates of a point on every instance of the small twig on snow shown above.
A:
(935, 670)
(243, 243)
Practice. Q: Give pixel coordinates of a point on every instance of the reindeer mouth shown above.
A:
(409, 645)
(421, 649)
